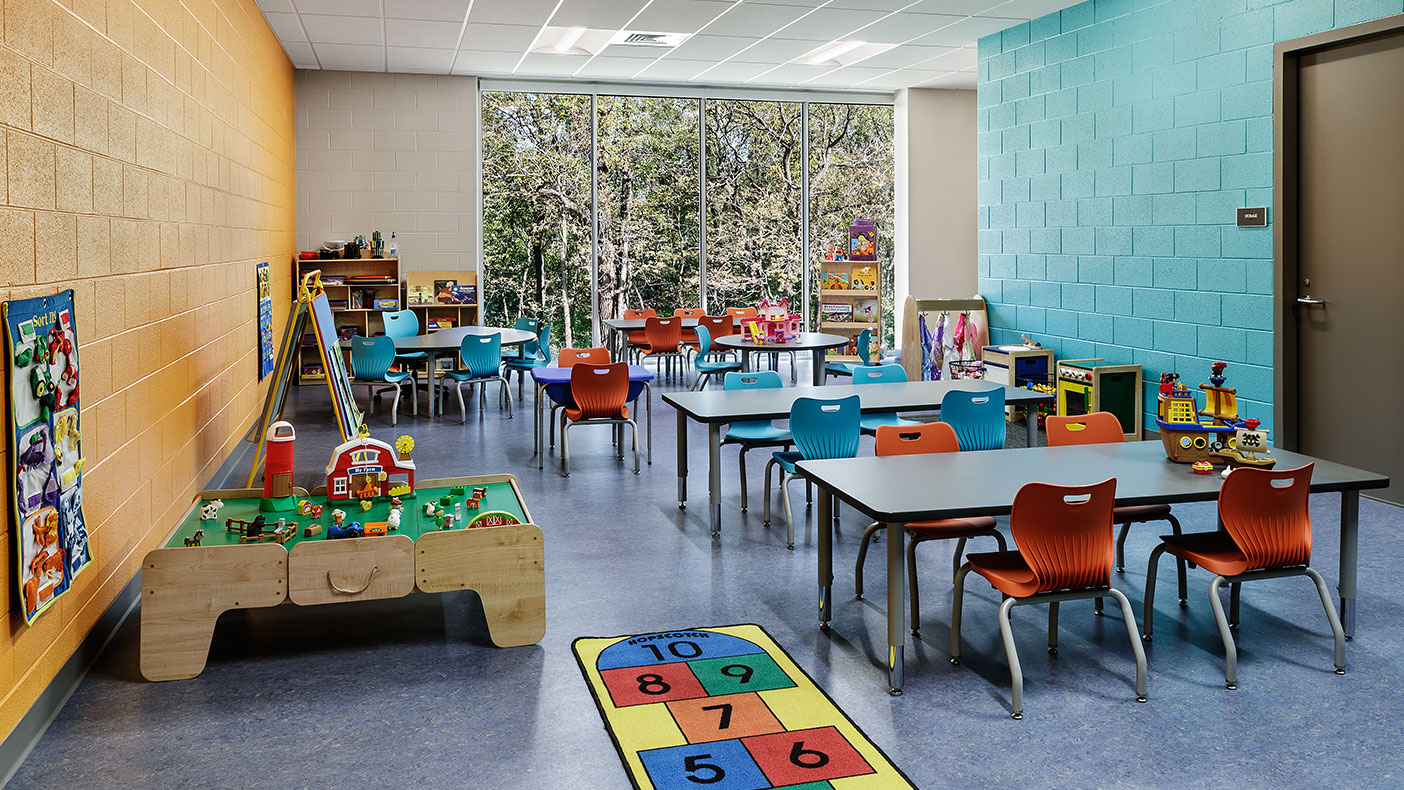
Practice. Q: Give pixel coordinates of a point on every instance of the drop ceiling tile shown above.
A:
(753, 19)
(498, 38)
(300, 54)
(641, 54)
(778, 50)
(485, 62)
(276, 6)
(905, 56)
(830, 24)
(285, 27)
(1033, 9)
(890, 81)
(955, 60)
(872, 5)
(960, 7)
(901, 28)
(967, 32)
(683, 16)
(422, 33)
(342, 29)
(512, 12)
(733, 72)
(436, 10)
(542, 65)
(611, 14)
(790, 74)
(415, 59)
(670, 69)
(351, 57)
(852, 75)
(339, 7)
(712, 47)
(951, 80)
(611, 68)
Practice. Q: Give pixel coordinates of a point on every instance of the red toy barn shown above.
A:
(366, 462)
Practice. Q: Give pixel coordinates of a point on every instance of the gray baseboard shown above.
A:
(31, 727)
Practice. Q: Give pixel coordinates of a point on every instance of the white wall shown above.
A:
(936, 196)
(389, 152)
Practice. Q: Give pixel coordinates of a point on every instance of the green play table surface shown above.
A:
(500, 496)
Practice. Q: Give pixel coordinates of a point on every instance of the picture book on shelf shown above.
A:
(443, 291)
(862, 241)
(834, 281)
(835, 312)
(864, 278)
(865, 310)
(420, 293)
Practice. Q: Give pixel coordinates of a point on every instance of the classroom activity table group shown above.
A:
(448, 341)
(559, 377)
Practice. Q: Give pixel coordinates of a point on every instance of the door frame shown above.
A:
(1286, 100)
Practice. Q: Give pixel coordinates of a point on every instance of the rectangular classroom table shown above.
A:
(901, 489)
(619, 329)
(716, 408)
(185, 588)
(548, 376)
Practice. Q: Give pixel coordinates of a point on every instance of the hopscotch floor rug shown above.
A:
(725, 708)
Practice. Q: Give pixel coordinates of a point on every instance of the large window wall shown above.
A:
(661, 241)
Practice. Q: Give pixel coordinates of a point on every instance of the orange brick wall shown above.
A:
(147, 147)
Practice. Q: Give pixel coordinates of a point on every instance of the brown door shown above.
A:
(282, 484)
(1350, 279)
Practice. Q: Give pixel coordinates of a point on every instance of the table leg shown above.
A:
(1350, 558)
(1031, 423)
(540, 441)
(429, 374)
(714, 475)
(825, 527)
(648, 400)
(896, 610)
(745, 360)
(819, 367)
(682, 460)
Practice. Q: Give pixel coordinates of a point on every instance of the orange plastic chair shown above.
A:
(689, 335)
(601, 394)
(636, 337)
(1064, 538)
(1104, 428)
(742, 312)
(570, 357)
(1266, 535)
(717, 325)
(662, 341)
(931, 437)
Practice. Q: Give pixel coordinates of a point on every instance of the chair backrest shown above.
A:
(1269, 522)
(742, 312)
(400, 323)
(879, 374)
(482, 354)
(569, 357)
(532, 325)
(638, 315)
(978, 417)
(371, 357)
(718, 325)
(663, 333)
(758, 380)
(826, 428)
(930, 437)
(1064, 533)
(600, 391)
(1099, 427)
(704, 343)
(689, 312)
(865, 346)
(541, 346)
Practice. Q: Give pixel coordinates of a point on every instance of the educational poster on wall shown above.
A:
(46, 455)
(266, 357)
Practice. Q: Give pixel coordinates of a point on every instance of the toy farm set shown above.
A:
(372, 531)
(1214, 434)
(46, 456)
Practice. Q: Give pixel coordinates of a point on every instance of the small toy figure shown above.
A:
(210, 510)
(479, 493)
(338, 516)
(256, 527)
(395, 502)
(304, 507)
(393, 520)
(352, 530)
(429, 509)
(365, 505)
(196, 539)
(446, 522)
(316, 511)
(474, 503)
(1167, 383)
(368, 491)
(311, 530)
(1202, 467)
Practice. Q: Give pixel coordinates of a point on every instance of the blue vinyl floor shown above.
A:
(410, 693)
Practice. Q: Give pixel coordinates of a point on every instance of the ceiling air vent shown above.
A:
(637, 38)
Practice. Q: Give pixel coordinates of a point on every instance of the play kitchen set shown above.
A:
(371, 532)
(1026, 365)
(1085, 386)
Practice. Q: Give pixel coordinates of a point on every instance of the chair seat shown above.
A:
(871, 422)
(1214, 551)
(648, 350)
(716, 367)
(1006, 571)
(1135, 514)
(839, 368)
(952, 527)
(526, 363)
(756, 432)
(636, 337)
(788, 459)
(573, 413)
(390, 378)
(465, 375)
(411, 355)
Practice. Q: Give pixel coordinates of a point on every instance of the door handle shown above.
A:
(1310, 302)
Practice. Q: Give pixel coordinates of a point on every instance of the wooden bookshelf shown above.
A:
(851, 310)
(346, 303)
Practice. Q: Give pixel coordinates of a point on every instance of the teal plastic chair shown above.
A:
(865, 342)
(821, 429)
(538, 356)
(705, 368)
(404, 323)
(371, 358)
(753, 433)
(880, 374)
(529, 348)
(977, 417)
(482, 363)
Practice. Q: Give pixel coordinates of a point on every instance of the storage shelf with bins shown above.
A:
(845, 310)
(364, 321)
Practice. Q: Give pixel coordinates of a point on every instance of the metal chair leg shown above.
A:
(957, 604)
(1179, 562)
(1230, 650)
(395, 408)
(1136, 648)
(765, 508)
(863, 558)
(565, 446)
(1148, 612)
(912, 583)
(1121, 547)
(506, 389)
(1016, 673)
(1234, 589)
(482, 396)
(785, 478)
(1053, 628)
(635, 426)
(955, 560)
(1336, 630)
(741, 459)
(462, 408)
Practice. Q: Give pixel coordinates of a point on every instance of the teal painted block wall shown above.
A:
(1116, 139)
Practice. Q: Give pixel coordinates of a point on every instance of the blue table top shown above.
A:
(555, 375)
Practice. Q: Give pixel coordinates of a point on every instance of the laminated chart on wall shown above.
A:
(727, 708)
(266, 356)
(46, 455)
(348, 416)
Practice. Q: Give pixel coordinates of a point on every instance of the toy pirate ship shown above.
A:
(1214, 433)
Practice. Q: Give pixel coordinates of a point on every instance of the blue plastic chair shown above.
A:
(880, 374)
(977, 417)
(404, 323)
(371, 358)
(482, 362)
(529, 348)
(537, 355)
(753, 433)
(705, 368)
(865, 342)
(821, 429)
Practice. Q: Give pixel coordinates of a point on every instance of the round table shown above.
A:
(815, 342)
(449, 341)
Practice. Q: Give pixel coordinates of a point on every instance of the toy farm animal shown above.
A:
(210, 510)
(196, 539)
